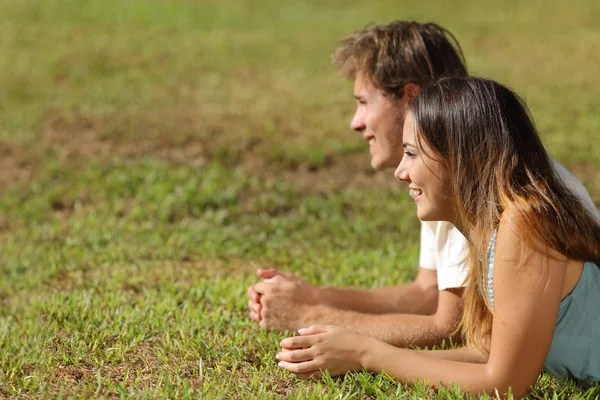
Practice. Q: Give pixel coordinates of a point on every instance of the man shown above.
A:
(388, 65)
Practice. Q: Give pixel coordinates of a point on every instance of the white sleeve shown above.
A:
(454, 256)
(427, 254)
(575, 186)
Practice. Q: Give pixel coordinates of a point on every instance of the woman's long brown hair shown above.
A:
(482, 132)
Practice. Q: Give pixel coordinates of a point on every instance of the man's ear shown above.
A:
(411, 90)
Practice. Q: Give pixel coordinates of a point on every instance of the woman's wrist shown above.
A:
(366, 352)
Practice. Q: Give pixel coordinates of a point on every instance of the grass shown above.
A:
(152, 150)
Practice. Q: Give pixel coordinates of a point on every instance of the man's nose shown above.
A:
(357, 124)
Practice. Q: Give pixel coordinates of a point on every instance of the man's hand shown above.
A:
(280, 300)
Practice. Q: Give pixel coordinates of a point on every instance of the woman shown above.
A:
(473, 158)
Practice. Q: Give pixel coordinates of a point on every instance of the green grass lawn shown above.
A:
(153, 151)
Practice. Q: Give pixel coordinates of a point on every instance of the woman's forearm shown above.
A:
(462, 354)
(438, 368)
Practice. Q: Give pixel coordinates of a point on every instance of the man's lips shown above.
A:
(371, 141)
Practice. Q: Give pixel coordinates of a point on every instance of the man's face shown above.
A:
(379, 119)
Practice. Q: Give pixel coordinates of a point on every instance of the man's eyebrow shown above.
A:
(359, 97)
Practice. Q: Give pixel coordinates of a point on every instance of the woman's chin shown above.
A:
(424, 215)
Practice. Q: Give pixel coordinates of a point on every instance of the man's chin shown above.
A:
(379, 165)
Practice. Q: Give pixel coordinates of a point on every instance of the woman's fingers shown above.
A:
(308, 337)
(296, 355)
(298, 342)
(313, 330)
(306, 367)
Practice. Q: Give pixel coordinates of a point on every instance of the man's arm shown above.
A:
(282, 309)
(400, 330)
(417, 297)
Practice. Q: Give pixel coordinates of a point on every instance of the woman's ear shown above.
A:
(411, 90)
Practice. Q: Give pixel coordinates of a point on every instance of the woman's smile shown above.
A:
(415, 193)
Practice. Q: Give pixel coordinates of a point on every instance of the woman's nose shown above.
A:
(401, 172)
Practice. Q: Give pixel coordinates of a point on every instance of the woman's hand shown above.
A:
(323, 347)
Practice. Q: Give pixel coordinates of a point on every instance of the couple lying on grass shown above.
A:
(510, 240)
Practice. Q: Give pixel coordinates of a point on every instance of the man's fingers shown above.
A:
(266, 273)
(263, 324)
(255, 307)
(254, 316)
(254, 296)
(272, 273)
(261, 288)
(296, 355)
(277, 279)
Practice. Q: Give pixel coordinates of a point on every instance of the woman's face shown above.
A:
(427, 178)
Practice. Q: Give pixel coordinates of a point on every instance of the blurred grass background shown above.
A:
(150, 150)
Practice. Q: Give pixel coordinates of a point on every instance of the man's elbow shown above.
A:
(429, 295)
(446, 327)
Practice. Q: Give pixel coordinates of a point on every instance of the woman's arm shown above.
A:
(527, 286)
(338, 351)
(462, 354)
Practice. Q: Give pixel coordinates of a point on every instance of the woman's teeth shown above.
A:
(414, 193)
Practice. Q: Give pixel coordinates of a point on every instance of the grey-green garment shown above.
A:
(575, 350)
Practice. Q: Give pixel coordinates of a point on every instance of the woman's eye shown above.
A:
(409, 154)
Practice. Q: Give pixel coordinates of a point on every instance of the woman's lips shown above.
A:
(415, 194)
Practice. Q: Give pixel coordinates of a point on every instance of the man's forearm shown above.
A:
(400, 330)
(410, 298)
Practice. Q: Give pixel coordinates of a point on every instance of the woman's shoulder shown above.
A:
(517, 238)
